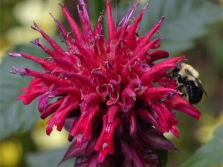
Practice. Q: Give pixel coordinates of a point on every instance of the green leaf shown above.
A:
(14, 116)
(210, 154)
(164, 155)
(184, 21)
(97, 6)
(49, 158)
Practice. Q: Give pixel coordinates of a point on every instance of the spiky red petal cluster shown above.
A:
(105, 91)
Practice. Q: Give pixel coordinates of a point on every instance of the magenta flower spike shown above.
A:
(105, 92)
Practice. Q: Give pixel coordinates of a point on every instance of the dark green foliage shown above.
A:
(48, 158)
(210, 154)
(14, 116)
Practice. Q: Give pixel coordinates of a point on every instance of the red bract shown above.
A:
(105, 92)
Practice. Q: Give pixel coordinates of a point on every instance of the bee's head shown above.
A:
(175, 72)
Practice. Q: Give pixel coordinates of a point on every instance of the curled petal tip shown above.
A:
(15, 54)
(35, 27)
(61, 5)
(70, 138)
(49, 130)
(162, 38)
(52, 16)
(81, 2)
(161, 20)
(174, 131)
(145, 7)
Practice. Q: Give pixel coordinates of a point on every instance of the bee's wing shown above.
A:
(200, 86)
(197, 81)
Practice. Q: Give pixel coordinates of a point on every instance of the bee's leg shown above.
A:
(169, 95)
(184, 94)
(169, 75)
(180, 87)
(164, 99)
(167, 98)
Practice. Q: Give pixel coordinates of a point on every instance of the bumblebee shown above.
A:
(187, 77)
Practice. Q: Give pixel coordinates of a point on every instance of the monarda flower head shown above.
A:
(111, 95)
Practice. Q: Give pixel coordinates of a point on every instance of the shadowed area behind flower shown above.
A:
(105, 92)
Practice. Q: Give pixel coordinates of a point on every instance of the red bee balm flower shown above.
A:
(105, 92)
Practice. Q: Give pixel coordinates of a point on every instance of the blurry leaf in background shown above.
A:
(17, 17)
(164, 155)
(48, 159)
(208, 126)
(14, 116)
(96, 7)
(209, 154)
(184, 21)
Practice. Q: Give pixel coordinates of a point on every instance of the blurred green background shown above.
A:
(194, 29)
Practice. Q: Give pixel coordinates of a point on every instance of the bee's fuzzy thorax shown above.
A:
(190, 69)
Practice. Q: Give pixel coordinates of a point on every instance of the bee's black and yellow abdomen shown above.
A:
(194, 92)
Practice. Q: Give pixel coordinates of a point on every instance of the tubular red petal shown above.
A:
(35, 89)
(166, 118)
(84, 125)
(59, 116)
(98, 28)
(105, 142)
(51, 109)
(46, 65)
(63, 31)
(87, 55)
(149, 35)
(83, 15)
(114, 93)
(55, 46)
(48, 79)
(158, 92)
(133, 123)
(76, 30)
(147, 116)
(128, 97)
(174, 131)
(45, 49)
(179, 103)
(158, 54)
(159, 69)
(130, 38)
(89, 108)
(112, 73)
(111, 24)
(142, 53)
(28, 98)
(112, 113)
